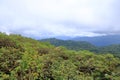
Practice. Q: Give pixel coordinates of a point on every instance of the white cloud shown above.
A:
(59, 17)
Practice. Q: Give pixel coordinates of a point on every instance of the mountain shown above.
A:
(70, 44)
(97, 41)
(23, 58)
(100, 40)
(84, 45)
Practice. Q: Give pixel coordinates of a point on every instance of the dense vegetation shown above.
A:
(83, 45)
(24, 58)
(70, 44)
(114, 49)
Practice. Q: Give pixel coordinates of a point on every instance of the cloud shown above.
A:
(45, 18)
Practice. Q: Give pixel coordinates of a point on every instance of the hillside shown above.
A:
(70, 44)
(96, 40)
(114, 49)
(23, 58)
(83, 45)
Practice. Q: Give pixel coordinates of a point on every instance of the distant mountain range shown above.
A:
(97, 41)
(77, 44)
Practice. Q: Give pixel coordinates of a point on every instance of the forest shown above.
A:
(23, 58)
(84, 45)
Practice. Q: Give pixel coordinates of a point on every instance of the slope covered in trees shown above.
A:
(83, 45)
(24, 58)
(69, 44)
(114, 49)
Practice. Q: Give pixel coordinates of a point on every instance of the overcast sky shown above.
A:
(49, 18)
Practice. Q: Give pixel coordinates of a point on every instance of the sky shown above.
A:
(51, 18)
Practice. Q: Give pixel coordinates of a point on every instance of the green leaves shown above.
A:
(34, 60)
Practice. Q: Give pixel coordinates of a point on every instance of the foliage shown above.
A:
(83, 45)
(29, 59)
(70, 44)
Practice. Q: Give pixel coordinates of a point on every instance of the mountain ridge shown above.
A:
(97, 41)
(84, 45)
